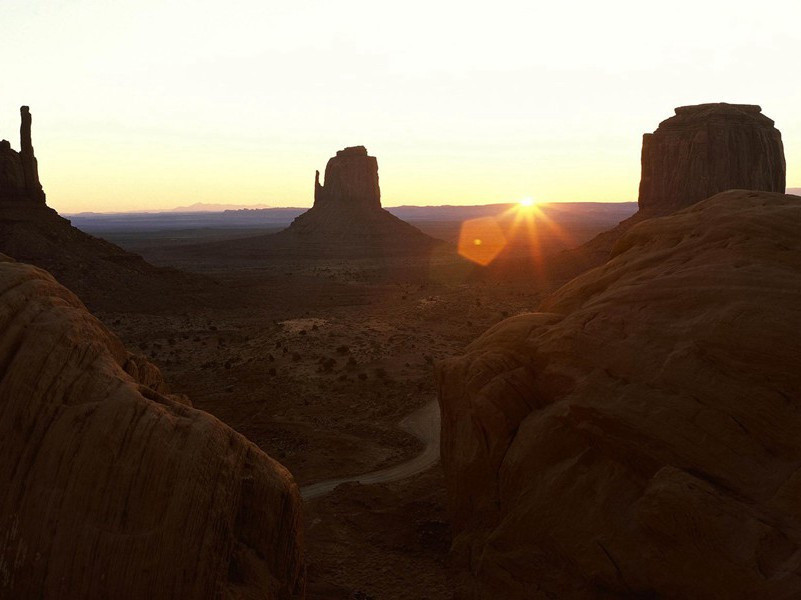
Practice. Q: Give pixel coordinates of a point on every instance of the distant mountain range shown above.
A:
(246, 218)
(794, 191)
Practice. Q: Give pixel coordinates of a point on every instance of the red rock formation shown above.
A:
(346, 221)
(641, 436)
(351, 179)
(19, 173)
(701, 151)
(347, 209)
(707, 149)
(109, 487)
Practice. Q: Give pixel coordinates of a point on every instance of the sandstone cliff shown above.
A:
(703, 150)
(640, 437)
(707, 149)
(110, 487)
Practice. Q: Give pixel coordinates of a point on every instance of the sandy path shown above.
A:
(422, 424)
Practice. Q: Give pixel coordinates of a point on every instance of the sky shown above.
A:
(156, 104)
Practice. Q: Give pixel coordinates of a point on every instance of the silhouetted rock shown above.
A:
(707, 149)
(110, 487)
(19, 174)
(102, 274)
(346, 221)
(347, 209)
(701, 151)
(641, 436)
(351, 180)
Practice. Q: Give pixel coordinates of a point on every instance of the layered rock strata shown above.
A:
(706, 149)
(641, 436)
(110, 487)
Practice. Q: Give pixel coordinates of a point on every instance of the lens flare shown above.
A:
(481, 240)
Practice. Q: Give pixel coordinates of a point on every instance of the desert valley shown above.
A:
(517, 331)
(261, 408)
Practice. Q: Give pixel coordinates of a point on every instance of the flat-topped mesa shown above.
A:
(19, 171)
(351, 181)
(706, 149)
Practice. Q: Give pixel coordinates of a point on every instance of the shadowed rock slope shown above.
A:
(112, 488)
(105, 276)
(641, 436)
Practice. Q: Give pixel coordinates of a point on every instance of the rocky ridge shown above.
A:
(115, 488)
(639, 437)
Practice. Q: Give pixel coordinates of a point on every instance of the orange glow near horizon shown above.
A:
(481, 240)
(522, 226)
(153, 105)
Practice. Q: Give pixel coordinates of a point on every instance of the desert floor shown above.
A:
(319, 374)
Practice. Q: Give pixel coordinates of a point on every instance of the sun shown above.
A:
(527, 202)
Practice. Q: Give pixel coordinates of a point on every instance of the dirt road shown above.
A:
(424, 425)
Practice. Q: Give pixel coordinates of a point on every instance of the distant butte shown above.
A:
(347, 210)
(346, 221)
(699, 152)
(707, 149)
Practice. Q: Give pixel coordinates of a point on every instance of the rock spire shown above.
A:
(19, 172)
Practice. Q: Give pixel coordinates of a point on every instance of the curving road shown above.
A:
(422, 424)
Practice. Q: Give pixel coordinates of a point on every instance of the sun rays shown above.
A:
(518, 230)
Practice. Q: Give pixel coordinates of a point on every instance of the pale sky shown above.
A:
(155, 103)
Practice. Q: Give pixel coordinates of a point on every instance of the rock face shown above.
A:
(641, 436)
(112, 488)
(19, 172)
(707, 149)
(351, 180)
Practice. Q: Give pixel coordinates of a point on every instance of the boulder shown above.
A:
(706, 149)
(641, 435)
(110, 487)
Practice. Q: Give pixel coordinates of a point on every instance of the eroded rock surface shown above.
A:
(19, 172)
(112, 488)
(640, 437)
(706, 149)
